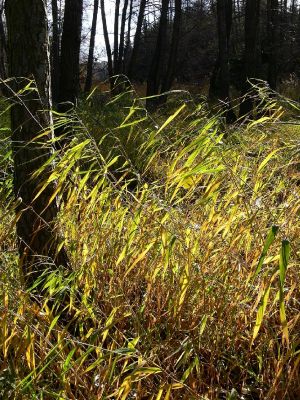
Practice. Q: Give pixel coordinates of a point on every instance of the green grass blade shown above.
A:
(270, 239)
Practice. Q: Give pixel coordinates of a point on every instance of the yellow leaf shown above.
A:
(267, 159)
(261, 313)
(170, 119)
(139, 258)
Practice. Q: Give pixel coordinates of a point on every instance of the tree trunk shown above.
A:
(293, 7)
(236, 14)
(220, 81)
(90, 63)
(273, 42)
(169, 77)
(120, 67)
(252, 11)
(128, 37)
(107, 43)
(55, 52)
(70, 49)
(116, 37)
(298, 35)
(154, 77)
(28, 57)
(137, 39)
(3, 51)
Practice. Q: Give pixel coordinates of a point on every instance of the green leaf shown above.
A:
(283, 260)
(68, 360)
(270, 239)
(53, 323)
(283, 264)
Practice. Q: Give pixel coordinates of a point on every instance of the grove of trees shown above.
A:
(223, 43)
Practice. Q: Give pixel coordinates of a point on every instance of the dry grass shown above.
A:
(178, 298)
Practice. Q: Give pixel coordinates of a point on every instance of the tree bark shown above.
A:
(55, 52)
(220, 81)
(273, 42)
(3, 50)
(169, 77)
(70, 50)
(154, 77)
(128, 36)
(120, 66)
(107, 43)
(90, 63)
(137, 39)
(28, 56)
(116, 37)
(252, 11)
(298, 35)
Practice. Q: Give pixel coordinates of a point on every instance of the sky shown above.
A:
(100, 52)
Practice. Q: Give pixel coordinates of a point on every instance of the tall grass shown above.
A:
(184, 241)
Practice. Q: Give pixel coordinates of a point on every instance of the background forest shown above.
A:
(149, 199)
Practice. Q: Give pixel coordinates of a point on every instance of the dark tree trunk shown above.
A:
(169, 77)
(128, 37)
(55, 52)
(107, 43)
(116, 37)
(284, 8)
(90, 63)
(293, 6)
(237, 26)
(70, 49)
(137, 39)
(28, 57)
(273, 42)
(120, 67)
(3, 51)
(154, 77)
(220, 81)
(252, 11)
(298, 29)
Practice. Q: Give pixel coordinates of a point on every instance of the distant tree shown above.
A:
(28, 57)
(107, 42)
(116, 37)
(55, 47)
(197, 46)
(3, 47)
(220, 80)
(273, 31)
(90, 63)
(120, 62)
(137, 39)
(251, 55)
(298, 36)
(236, 27)
(172, 62)
(155, 72)
(70, 50)
(128, 36)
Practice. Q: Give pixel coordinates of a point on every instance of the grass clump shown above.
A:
(188, 279)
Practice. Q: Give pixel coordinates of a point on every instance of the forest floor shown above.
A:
(184, 237)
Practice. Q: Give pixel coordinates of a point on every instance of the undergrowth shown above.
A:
(184, 239)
